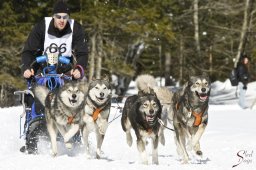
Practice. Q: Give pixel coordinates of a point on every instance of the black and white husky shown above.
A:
(96, 112)
(141, 112)
(145, 82)
(63, 110)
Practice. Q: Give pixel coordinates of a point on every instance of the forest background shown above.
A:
(167, 38)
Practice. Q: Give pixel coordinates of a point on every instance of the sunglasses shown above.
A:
(63, 17)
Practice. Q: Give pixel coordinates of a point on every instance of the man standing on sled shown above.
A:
(56, 34)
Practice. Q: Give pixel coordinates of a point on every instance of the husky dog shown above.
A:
(190, 117)
(141, 112)
(96, 112)
(145, 82)
(63, 109)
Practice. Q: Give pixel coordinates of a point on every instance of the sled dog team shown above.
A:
(86, 106)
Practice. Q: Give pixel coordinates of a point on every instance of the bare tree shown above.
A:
(92, 56)
(243, 31)
(196, 24)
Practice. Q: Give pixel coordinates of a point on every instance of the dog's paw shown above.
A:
(184, 162)
(53, 154)
(103, 125)
(162, 139)
(99, 154)
(87, 155)
(199, 153)
(155, 162)
(68, 145)
(145, 162)
(129, 139)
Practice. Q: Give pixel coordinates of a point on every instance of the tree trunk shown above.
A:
(196, 24)
(181, 60)
(167, 69)
(160, 63)
(243, 32)
(92, 57)
(2, 93)
(99, 56)
(210, 60)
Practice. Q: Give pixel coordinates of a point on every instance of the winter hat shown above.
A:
(244, 55)
(60, 7)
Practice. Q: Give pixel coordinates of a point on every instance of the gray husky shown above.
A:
(96, 112)
(63, 109)
(141, 112)
(190, 117)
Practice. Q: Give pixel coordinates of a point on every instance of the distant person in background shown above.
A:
(243, 78)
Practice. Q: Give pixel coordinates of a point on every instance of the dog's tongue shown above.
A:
(203, 97)
(150, 118)
(72, 102)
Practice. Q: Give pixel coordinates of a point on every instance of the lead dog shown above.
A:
(63, 109)
(141, 112)
(96, 112)
(190, 117)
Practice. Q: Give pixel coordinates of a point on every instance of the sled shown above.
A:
(48, 78)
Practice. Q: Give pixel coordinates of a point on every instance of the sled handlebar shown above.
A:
(44, 58)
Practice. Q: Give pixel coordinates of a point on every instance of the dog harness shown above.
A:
(198, 116)
(96, 114)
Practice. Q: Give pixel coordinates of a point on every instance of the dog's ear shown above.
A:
(151, 91)
(105, 77)
(141, 93)
(191, 80)
(83, 86)
(205, 75)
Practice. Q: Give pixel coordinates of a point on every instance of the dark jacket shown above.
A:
(34, 45)
(243, 74)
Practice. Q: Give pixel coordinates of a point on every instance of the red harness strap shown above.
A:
(198, 116)
(70, 119)
(96, 114)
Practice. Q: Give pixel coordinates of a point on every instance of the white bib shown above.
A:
(64, 43)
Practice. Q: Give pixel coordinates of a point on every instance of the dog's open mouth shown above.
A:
(202, 96)
(72, 101)
(150, 119)
(100, 99)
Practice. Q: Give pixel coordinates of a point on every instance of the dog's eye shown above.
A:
(145, 105)
(69, 91)
(105, 88)
(206, 83)
(197, 84)
(154, 104)
(97, 88)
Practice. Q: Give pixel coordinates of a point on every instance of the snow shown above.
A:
(231, 131)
